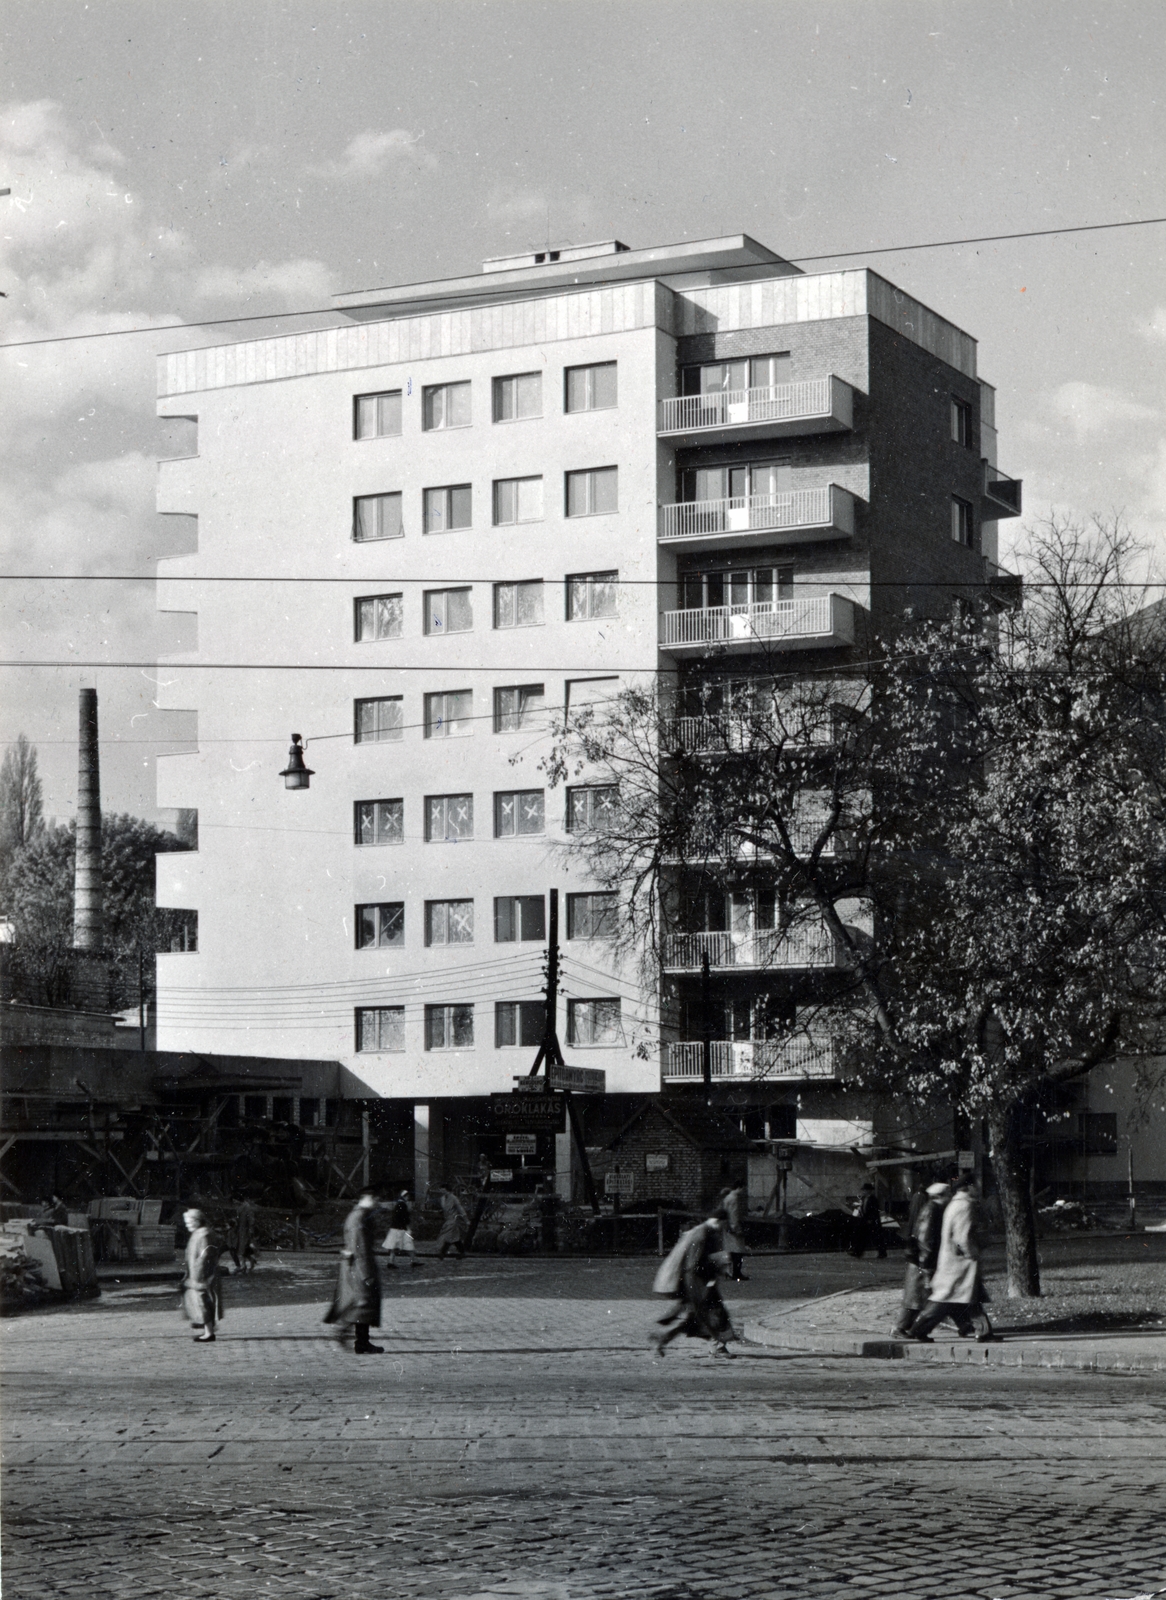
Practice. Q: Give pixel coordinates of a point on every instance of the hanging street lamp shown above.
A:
(296, 775)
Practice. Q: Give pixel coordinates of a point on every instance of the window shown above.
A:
(591, 809)
(449, 818)
(590, 388)
(518, 918)
(448, 611)
(445, 405)
(585, 695)
(519, 1022)
(517, 397)
(378, 1028)
(961, 421)
(518, 605)
(379, 616)
(377, 516)
(961, 521)
(760, 481)
(379, 821)
(377, 416)
(447, 716)
(379, 720)
(448, 508)
(517, 500)
(591, 594)
(591, 916)
(731, 377)
(519, 707)
(591, 493)
(449, 1027)
(381, 925)
(449, 922)
(518, 812)
(593, 1022)
(739, 586)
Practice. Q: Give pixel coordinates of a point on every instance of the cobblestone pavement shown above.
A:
(517, 1439)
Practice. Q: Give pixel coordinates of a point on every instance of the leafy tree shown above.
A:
(987, 799)
(21, 816)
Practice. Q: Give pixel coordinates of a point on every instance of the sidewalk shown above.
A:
(859, 1323)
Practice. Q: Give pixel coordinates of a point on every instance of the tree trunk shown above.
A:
(1010, 1170)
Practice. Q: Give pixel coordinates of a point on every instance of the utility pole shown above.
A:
(550, 1053)
(706, 1022)
(141, 998)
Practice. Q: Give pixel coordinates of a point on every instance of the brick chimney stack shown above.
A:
(87, 890)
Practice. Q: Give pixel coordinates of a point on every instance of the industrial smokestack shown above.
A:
(87, 884)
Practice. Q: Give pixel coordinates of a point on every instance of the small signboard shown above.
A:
(522, 1144)
(501, 1174)
(656, 1161)
(620, 1183)
(580, 1080)
(528, 1113)
(784, 1157)
(966, 1160)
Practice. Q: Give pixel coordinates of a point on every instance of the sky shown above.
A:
(181, 162)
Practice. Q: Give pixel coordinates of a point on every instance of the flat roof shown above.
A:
(736, 253)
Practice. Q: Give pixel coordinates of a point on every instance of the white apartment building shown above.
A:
(414, 538)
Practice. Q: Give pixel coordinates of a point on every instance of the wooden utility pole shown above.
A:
(706, 1024)
(550, 1052)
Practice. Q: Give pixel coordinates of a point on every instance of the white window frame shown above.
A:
(435, 615)
(381, 610)
(448, 922)
(515, 901)
(390, 732)
(582, 909)
(381, 502)
(961, 421)
(447, 491)
(442, 834)
(440, 398)
(588, 370)
(387, 921)
(587, 1012)
(512, 488)
(516, 1012)
(963, 524)
(515, 378)
(589, 477)
(442, 722)
(381, 835)
(586, 584)
(389, 1025)
(526, 713)
(449, 1017)
(362, 408)
(500, 594)
(515, 798)
(590, 790)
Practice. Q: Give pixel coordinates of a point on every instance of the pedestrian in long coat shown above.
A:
(454, 1223)
(922, 1254)
(733, 1201)
(957, 1287)
(868, 1224)
(357, 1302)
(245, 1237)
(690, 1274)
(202, 1295)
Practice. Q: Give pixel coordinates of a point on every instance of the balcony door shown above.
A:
(733, 377)
(737, 587)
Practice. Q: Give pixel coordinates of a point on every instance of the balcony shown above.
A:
(804, 516)
(1006, 588)
(717, 735)
(770, 624)
(1002, 496)
(800, 1056)
(762, 950)
(824, 405)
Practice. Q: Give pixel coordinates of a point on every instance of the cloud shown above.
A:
(369, 154)
(509, 205)
(1090, 409)
(1156, 327)
(299, 283)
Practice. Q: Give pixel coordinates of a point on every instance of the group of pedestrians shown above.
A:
(943, 1276)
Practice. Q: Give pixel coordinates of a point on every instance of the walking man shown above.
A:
(399, 1238)
(202, 1296)
(357, 1302)
(733, 1201)
(245, 1236)
(868, 1224)
(454, 1223)
(922, 1254)
(690, 1274)
(957, 1287)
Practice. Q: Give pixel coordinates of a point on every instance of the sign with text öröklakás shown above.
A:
(528, 1113)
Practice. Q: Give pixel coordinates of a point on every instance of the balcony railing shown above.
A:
(727, 733)
(820, 405)
(800, 1056)
(762, 949)
(1003, 496)
(826, 513)
(789, 624)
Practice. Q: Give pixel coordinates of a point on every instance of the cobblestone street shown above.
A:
(518, 1438)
